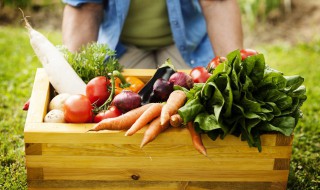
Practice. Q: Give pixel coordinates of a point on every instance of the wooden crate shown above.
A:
(66, 156)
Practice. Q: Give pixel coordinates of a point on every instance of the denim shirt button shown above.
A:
(192, 62)
(175, 23)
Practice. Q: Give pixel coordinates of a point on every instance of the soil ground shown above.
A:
(301, 25)
(47, 17)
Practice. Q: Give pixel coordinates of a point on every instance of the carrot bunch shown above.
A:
(159, 116)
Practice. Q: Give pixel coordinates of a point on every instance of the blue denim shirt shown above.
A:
(187, 25)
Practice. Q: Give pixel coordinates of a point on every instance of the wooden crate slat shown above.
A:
(282, 140)
(149, 162)
(35, 173)
(281, 164)
(144, 74)
(146, 174)
(33, 148)
(159, 150)
(68, 133)
(152, 185)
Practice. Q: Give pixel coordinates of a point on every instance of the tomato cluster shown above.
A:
(79, 108)
(201, 74)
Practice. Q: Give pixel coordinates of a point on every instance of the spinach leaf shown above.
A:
(190, 110)
(293, 82)
(285, 125)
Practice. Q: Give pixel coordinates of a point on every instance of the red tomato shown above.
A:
(97, 90)
(26, 105)
(199, 74)
(113, 111)
(78, 109)
(215, 62)
(247, 53)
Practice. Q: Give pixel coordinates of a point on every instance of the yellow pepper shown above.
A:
(132, 83)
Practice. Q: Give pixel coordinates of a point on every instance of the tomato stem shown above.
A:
(124, 83)
(107, 103)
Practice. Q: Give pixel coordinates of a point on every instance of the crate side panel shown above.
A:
(39, 97)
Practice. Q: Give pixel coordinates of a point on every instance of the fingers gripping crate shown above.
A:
(66, 156)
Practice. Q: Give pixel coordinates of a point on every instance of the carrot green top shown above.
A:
(147, 25)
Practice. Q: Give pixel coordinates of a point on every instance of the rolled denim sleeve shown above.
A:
(79, 2)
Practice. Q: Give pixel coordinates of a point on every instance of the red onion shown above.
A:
(182, 79)
(127, 100)
(161, 90)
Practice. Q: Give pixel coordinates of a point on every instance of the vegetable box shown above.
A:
(66, 156)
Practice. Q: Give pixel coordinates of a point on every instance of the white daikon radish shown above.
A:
(60, 73)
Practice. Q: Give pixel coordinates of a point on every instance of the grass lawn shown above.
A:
(18, 66)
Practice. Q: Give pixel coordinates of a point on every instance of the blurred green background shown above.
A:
(285, 31)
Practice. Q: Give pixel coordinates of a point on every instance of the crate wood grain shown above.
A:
(66, 156)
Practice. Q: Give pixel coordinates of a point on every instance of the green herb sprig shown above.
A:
(91, 61)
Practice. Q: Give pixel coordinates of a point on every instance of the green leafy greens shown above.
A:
(245, 98)
(91, 61)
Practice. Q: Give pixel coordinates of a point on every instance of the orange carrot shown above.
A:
(176, 120)
(152, 112)
(196, 139)
(122, 122)
(153, 131)
(176, 100)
